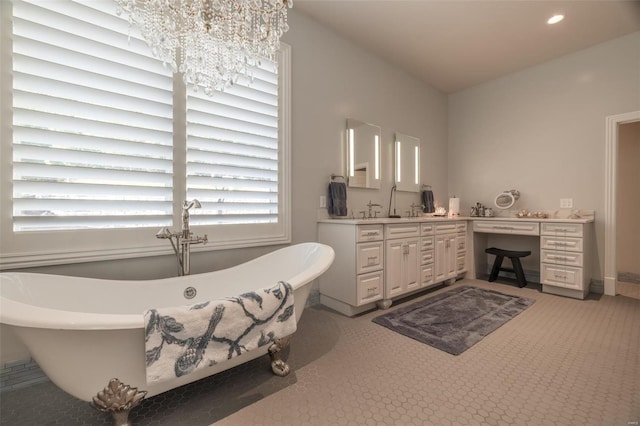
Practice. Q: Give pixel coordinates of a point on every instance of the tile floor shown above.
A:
(561, 362)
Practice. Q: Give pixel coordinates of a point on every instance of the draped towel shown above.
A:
(183, 339)
(427, 201)
(337, 199)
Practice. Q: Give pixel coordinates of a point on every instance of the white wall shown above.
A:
(332, 80)
(542, 131)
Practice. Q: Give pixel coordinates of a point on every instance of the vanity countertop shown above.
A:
(388, 220)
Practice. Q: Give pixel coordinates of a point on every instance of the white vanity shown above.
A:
(564, 248)
(379, 260)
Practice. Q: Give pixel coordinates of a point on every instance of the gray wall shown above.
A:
(332, 80)
(542, 131)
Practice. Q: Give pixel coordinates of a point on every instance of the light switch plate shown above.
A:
(566, 203)
(323, 201)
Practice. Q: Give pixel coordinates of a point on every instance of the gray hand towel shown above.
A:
(337, 199)
(428, 205)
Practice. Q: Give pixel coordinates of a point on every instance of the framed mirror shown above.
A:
(363, 154)
(407, 163)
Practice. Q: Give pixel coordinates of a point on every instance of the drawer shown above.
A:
(426, 275)
(369, 257)
(461, 264)
(567, 258)
(446, 228)
(560, 243)
(426, 257)
(562, 229)
(561, 276)
(461, 243)
(370, 233)
(426, 228)
(461, 227)
(507, 227)
(402, 230)
(369, 287)
(427, 243)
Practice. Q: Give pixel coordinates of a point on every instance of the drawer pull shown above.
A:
(558, 243)
(562, 258)
(372, 260)
(560, 276)
(504, 227)
(371, 233)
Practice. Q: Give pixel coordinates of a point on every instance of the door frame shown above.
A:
(610, 196)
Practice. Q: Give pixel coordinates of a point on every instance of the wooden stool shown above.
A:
(515, 261)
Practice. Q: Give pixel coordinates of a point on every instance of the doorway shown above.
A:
(613, 133)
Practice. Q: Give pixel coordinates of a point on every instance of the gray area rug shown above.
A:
(455, 320)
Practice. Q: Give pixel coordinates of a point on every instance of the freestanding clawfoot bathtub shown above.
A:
(83, 332)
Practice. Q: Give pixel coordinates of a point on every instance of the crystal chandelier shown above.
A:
(211, 42)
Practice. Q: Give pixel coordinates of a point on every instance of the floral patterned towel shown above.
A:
(183, 339)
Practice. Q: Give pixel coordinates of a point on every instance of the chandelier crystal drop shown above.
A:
(211, 42)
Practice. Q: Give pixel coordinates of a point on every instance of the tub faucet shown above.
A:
(183, 239)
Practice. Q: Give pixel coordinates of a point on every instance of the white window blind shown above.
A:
(232, 151)
(98, 151)
(92, 121)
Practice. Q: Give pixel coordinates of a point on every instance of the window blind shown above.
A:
(92, 120)
(232, 151)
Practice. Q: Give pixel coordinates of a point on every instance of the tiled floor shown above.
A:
(560, 362)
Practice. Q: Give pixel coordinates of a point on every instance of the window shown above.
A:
(104, 143)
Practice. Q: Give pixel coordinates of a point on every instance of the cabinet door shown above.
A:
(451, 257)
(411, 267)
(445, 262)
(440, 273)
(402, 267)
(393, 268)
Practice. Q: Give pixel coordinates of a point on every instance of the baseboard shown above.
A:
(629, 277)
(20, 374)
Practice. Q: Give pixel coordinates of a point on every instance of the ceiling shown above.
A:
(456, 44)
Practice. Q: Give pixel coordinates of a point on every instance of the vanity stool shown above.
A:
(515, 260)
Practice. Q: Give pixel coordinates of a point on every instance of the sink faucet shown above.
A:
(183, 239)
(415, 208)
(370, 205)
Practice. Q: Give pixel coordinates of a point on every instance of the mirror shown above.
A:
(506, 199)
(363, 154)
(407, 163)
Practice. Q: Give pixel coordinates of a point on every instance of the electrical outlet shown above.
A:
(323, 201)
(566, 203)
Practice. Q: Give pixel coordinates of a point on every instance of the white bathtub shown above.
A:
(82, 331)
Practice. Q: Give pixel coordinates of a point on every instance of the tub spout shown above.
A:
(183, 239)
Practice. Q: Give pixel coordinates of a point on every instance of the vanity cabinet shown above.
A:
(356, 277)
(562, 267)
(378, 262)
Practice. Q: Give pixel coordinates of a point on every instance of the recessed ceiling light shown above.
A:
(555, 19)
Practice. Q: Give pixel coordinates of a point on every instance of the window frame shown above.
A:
(43, 248)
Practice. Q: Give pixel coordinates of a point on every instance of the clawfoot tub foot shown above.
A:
(278, 365)
(118, 399)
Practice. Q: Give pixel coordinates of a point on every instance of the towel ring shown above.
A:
(506, 199)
